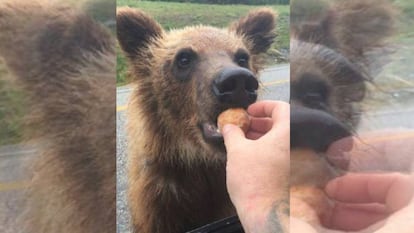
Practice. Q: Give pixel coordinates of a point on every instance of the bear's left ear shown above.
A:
(136, 30)
(257, 28)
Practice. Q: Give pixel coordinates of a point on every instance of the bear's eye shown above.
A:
(311, 90)
(184, 58)
(242, 58)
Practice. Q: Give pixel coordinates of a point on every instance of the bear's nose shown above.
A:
(236, 87)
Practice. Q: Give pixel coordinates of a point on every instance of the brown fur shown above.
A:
(332, 56)
(65, 63)
(176, 178)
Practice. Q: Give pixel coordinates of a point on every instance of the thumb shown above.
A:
(232, 136)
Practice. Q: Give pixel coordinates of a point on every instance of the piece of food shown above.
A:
(235, 116)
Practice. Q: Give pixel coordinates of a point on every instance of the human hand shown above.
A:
(364, 199)
(381, 150)
(258, 165)
(386, 151)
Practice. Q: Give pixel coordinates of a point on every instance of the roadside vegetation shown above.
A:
(246, 2)
(180, 14)
(11, 110)
(394, 86)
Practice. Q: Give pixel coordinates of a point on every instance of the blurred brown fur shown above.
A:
(176, 176)
(335, 48)
(65, 63)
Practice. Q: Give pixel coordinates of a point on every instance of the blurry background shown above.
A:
(390, 103)
(13, 154)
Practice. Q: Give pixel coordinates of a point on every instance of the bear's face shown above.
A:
(331, 60)
(325, 80)
(187, 77)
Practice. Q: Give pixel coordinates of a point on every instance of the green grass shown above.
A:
(11, 111)
(121, 68)
(177, 15)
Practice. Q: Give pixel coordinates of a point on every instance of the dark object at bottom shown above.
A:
(227, 225)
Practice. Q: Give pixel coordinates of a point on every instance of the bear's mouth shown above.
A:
(211, 133)
(209, 129)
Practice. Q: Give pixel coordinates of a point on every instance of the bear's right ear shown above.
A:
(365, 25)
(135, 30)
(257, 28)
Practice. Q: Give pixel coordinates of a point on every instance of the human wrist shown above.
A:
(265, 215)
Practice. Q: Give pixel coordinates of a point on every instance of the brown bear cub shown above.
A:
(65, 62)
(184, 79)
(333, 54)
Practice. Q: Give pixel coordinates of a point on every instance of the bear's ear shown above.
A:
(135, 30)
(364, 25)
(257, 28)
(309, 28)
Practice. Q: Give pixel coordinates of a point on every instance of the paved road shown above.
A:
(397, 117)
(275, 83)
(13, 160)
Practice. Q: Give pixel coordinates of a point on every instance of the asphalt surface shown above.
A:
(13, 177)
(389, 118)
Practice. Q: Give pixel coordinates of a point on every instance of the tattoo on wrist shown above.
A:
(278, 217)
(277, 220)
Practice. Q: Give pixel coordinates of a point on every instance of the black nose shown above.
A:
(236, 87)
(315, 129)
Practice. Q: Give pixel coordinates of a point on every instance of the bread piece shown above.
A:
(235, 116)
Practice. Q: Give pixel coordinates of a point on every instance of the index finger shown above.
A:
(394, 190)
(260, 124)
(277, 110)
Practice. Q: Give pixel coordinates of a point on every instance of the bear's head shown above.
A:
(186, 77)
(335, 47)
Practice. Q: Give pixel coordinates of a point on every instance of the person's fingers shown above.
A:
(277, 110)
(389, 150)
(253, 135)
(351, 217)
(233, 136)
(262, 108)
(262, 124)
(359, 188)
(342, 145)
(281, 114)
(394, 190)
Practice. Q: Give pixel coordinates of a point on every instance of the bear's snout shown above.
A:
(315, 129)
(235, 87)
